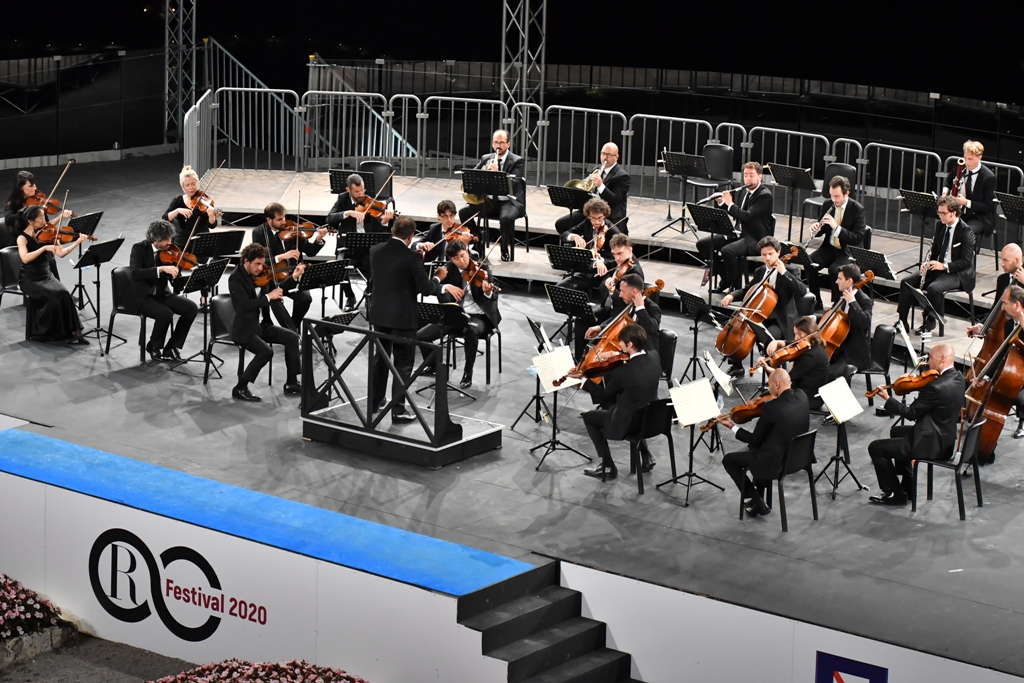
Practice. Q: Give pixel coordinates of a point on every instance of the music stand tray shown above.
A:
(571, 198)
(324, 274)
(685, 165)
(713, 220)
(570, 259)
(793, 177)
(86, 224)
(1013, 210)
(205, 276)
(359, 241)
(96, 255)
(480, 182)
(338, 176)
(875, 261)
(573, 304)
(217, 243)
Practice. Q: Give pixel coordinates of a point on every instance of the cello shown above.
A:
(834, 326)
(736, 339)
(606, 352)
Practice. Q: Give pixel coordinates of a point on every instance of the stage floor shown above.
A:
(924, 580)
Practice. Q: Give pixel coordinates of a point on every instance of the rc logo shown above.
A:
(831, 668)
(125, 556)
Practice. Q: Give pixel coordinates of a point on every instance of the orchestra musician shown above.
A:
(611, 183)
(398, 277)
(188, 212)
(935, 413)
(809, 370)
(506, 208)
(645, 312)
(252, 329)
(856, 348)
(752, 211)
(1010, 260)
(279, 251)
(784, 417)
(152, 281)
(624, 264)
(432, 246)
(478, 301)
(841, 224)
(622, 395)
(977, 194)
(24, 187)
(787, 286)
(345, 217)
(950, 264)
(57, 318)
(595, 234)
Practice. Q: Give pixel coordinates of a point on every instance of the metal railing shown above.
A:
(258, 127)
(455, 132)
(344, 128)
(572, 139)
(649, 137)
(1009, 178)
(198, 125)
(889, 169)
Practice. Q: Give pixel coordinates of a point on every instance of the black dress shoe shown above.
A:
(755, 507)
(243, 394)
(292, 389)
(429, 371)
(79, 341)
(467, 380)
(1019, 432)
(154, 353)
(647, 464)
(602, 472)
(171, 353)
(890, 498)
(400, 416)
(926, 328)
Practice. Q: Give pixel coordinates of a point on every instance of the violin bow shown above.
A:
(59, 179)
(56, 232)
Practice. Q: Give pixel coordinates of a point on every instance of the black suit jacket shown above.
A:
(755, 220)
(852, 226)
(397, 276)
(856, 348)
(266, 236)
(586, 231)
(514, 165)
(248, 304)
(809, 371)
(336, 217)
(962, 256)
(627, 388)
(788, 288)
(489, 305)
(147, 279)
(616, 192)
(982, 213)
(782, 418)
(942, 401)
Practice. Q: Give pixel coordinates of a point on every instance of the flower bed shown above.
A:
(22, 611)
(281, 672)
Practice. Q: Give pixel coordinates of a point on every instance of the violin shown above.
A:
(296, 231)
(740, 414)
(621, 271)
(172, 255)
(273, 273)
(50, 206)
(785, 354)
(834, 325)
(459, 232)
(905, 384)
(476, 276)
(203, 202)
(794, 252)
(607, 351)
(375, 208)
(63, 234)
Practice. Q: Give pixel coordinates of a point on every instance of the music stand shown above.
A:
(322, 275)
(842, 407)
(87, 226)
(698, 310)
(486, 184)
(358, 243)
(571, 198)
(570, 259)
(338, 176)
(875, 261)
(451, 316)
(551, 366)
(921, 299)
(96, 255)
(537, 400)
(693, 403)
(918, 204)
(715, 221)
(573, 304)
(1013, 211)
(202, 279)
(682, 166)
(792, 178)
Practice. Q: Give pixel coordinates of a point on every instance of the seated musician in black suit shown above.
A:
(936, 415)
(345, 216)
(432, 246)
(267, 234)
(977, 192)
(809, 370)
(506, 208)
(752, 211)
(841, 224)
(856, 348)
(950, 265)
(479, 301)
(595, 234)
(627, 388)
(611, 183)
(252, 328)
(153, 292)
(625, 264)
(782, 418)
(787, 286)
(644, 311)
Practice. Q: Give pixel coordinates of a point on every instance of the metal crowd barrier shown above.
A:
(198, 134)
(889, 169)
(527, 126)
(455, 132)
(342, 128)
(572, 139)
(403, 114)
(258, 128)
(649, 137)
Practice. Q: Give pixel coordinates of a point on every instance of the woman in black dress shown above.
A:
(188, 221)
(24, 187)
(56, 318)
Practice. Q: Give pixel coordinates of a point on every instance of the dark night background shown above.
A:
(896, 45)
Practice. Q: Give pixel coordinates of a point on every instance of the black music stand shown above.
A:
(322, 275)
(715, 221)
(486, 184)
(87, 226)
(96, 255)
(571, 198)
(570, 259)
(918, 204)
(921, 299)
(338, 176)
(1013, 212)
(840, 457)
(537, 400)
(682, 166)
(451, 316)
(699, 311)
(203, 279)
(357, 243)
(875, 261)
(792, 178)
(573, 304)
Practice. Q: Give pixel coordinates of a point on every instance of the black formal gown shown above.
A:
(55, 317)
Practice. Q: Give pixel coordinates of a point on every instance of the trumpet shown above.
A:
(585, 184)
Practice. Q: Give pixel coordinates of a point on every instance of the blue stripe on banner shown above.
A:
(393, 553)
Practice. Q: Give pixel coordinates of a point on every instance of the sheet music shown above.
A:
(694, 402)
(553, 365)
(840, 401)
(723, 380)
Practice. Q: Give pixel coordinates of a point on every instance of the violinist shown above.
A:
(784, 417)
(24, 187)
(644, 311)
(752, 211)
(950, 265)
(506, 208)
(856, 348)
(191, 212)
(252, 329)
(935, 413)
(625, 263)
(57, 319)
(595, 234)
(787, 286)
(432, 246)
(611, 182)
(809, 370)
(622, 394)
(153, 292)
(280, 251)
(345, 214)
(478, 301)
(841, 224)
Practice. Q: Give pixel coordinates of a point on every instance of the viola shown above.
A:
(50, 206)
(172, 255)
(63, 234)
(273, 273)
(375, 208)
(834, 326)
(905, 384)
(785, 354)
(740, 414)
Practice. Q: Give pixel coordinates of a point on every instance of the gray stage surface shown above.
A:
(923, 580)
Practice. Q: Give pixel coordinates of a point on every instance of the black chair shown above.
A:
(653, 420)
(958, 465)
(718, 159)
(222, 317)
(382, 177)
(450, 341)
(848, 171)
(800, 456)
(667, 340)
(970, 303)
(805, 304)
(882, 341)
(10, 273)
(125, 303)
